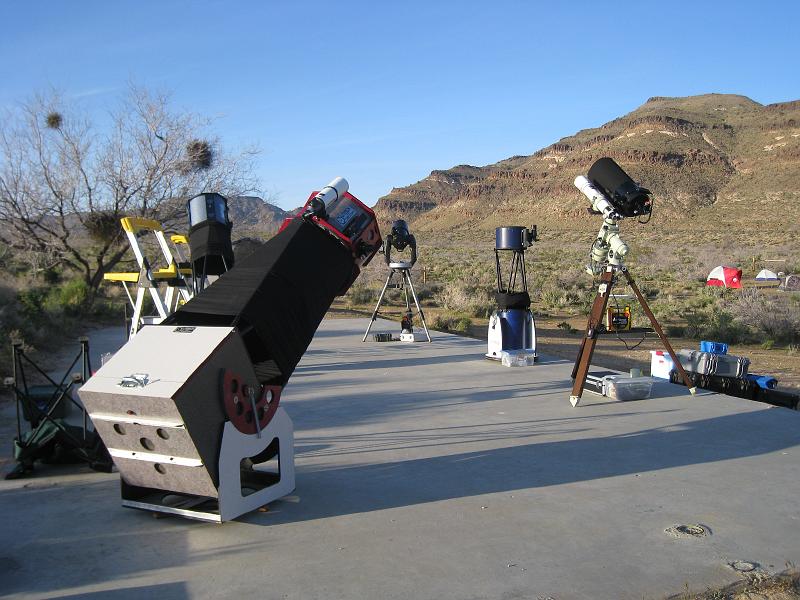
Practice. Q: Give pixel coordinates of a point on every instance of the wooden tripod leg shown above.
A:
(659, 331)
(584, 359)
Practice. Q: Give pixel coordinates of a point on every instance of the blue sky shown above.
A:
(384, 92)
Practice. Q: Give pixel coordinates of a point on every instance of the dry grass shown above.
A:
(782, 586)
(761, 323)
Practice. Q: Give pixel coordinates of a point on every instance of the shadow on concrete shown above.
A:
(173, 591)
(68, 535)
(356, 489)
(390, 363)
(452, 436)
(331, 407)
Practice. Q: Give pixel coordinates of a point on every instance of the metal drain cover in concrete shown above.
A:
(693, 530)
(743, 566)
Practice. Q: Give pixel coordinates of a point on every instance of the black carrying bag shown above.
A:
(507, 300)
(210, 243)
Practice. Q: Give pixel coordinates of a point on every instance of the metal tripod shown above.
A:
(594, 329)
(404, 271)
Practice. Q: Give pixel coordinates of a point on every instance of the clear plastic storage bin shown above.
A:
(622, 387)
(517, 358)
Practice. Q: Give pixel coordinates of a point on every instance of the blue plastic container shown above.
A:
(765, 382)
(714, 347)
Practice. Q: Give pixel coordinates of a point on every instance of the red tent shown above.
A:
(729, 277)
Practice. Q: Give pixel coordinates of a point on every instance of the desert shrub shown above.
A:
(550, 297)
(39, 304)
(31, 303)
(470, 298)
(556, 296)
(447, 322)
(360, 294)
(68, 298)
(394, 295)
(428, 293)
(650, 290)
(776, 318)
(566, 327)
(718, 325)
(43, 317)
(675, 331)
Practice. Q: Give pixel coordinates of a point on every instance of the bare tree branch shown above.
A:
(64, 182)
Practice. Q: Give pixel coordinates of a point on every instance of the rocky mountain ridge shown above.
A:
(252, 215)
(706, 158)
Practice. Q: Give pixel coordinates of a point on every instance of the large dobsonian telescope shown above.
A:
(189, 409)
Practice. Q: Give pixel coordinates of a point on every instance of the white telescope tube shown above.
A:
(598, 199)
(333, 191)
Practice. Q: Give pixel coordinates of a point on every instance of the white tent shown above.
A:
(791, 283)
(767, 275)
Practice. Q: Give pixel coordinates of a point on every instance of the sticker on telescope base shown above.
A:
(249, 408)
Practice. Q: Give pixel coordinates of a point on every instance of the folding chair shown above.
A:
(45, 407)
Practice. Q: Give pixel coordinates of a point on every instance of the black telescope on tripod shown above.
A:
(615, 196)
(399, 239)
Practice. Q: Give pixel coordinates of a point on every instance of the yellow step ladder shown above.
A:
(169, 286)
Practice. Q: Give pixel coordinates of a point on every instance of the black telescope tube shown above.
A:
(276, 297)
(624, 194)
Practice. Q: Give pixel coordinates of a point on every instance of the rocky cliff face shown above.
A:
(706, 158)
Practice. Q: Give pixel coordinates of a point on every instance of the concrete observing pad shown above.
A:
(427, 471)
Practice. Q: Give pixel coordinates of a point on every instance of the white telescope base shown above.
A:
(231, 501)
(494, 338)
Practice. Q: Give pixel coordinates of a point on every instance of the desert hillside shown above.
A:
(712, 161)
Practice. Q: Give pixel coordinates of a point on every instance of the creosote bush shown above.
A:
(449, 322)
(718, 325)
(773, 318)
(360, 294)
(470, 298)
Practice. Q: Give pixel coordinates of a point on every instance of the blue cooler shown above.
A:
(714, 347)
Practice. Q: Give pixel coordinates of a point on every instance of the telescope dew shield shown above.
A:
(628, 199)
(210, 234)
